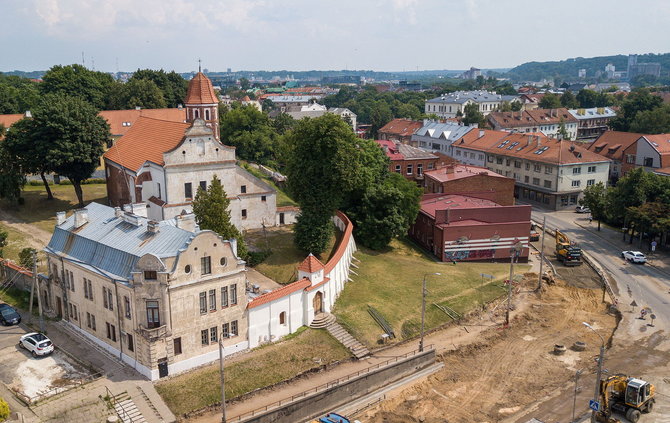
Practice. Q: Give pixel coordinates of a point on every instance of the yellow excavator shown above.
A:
(626, 395)
(566, 251)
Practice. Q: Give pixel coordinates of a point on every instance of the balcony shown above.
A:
(153, 334)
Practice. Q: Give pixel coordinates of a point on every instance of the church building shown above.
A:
(163, 163)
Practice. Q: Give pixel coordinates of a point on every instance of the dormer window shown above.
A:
(150, 275)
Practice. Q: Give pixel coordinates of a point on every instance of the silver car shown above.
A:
(634, 256)
(37, 343)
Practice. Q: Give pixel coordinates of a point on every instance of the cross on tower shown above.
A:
(199, 69)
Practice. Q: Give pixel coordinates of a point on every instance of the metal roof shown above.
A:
(593, 112)
(463, 96)
(448, 131)
(111, 245)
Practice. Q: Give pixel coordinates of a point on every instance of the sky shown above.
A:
(382, 35)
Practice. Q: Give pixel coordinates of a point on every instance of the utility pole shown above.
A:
(596, 394)
(574, 398)
(514, 253)
(223, 385)
(36, 281)
(539, 279)
(424, 291)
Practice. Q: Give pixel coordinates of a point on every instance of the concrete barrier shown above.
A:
(333, 395)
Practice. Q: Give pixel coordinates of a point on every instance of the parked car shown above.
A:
(8, 315)
(534, 234)
(37, 343)
(634, 256)
(583, 209)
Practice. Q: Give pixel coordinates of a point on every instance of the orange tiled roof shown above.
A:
(660, 142)
(146, 140)
(460, 171)
(663, 170)
(280, 292)
(611, 144)
(200, 90)
(401, 127)
(311, 264)
(120, 121)
(9, 120)
(554, 151)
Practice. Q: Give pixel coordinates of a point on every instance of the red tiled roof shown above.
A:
(147, 140)
(660, 142)
(14, 266)
(663, 170)
(280, 292)
(431, 203)
(200, 90)
(401, 127)
(9, 120)
(400, 151)
(311, 264)
(120, 121)
(459, 172)
(317, 285)
(611, 144)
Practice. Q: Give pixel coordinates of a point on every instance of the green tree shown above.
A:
(210, 207)
(595, 198)
(550, 101)
(637, 101)
(473, 115)
(171, 85)
(4, 410)
(12, 176)
(656, 121)
(587, 98)
(564, 134)
(17, 95)
(569, 101)
(74, 134)
(3, 241)
(283, 123)
(244, 84)
(251, 132)
(78, 81)
(26, 257)
(313, 230)
(143, 93)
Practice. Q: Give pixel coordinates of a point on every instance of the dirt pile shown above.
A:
(507, 370)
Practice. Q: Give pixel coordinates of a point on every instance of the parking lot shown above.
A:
(35, 378)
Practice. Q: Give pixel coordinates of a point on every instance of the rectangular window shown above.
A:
(72, 281)
(213, 335)
(398, 168)
(76, 313)
(419, 169)
(527, 166)
(590, 182)
(104, 297)
(159, 190)
(126, 306)
(430, 166)
(536, 181)
(481, 157)
(547, 184)
(212, 300)
(188, 191)
(150, 275)
(499, 160)
(153, 315)
(233, 328)
(110, 299)
(225, 330)
(263, 198)
(591, 169)
(648, 162)
(112, 332)
(526, 179)
(517, 164)
(224, 296)
(85, 289)
(243, 189)
(548, 170)
(576, 170)
(206, 265)
(507, 162)
(177, 345)
(90, 290)
(576, 183)
(109, 333)
(88, 319)
(93, 321)
(204, 337)
(244, 213)
(131, 344)
(233, 294)
(630, 158)
(537, 168)
(490, 159)
(203, 302)
(410, 169)
(203, 185)
(458, 152)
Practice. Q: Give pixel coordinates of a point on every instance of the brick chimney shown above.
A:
(449, 169)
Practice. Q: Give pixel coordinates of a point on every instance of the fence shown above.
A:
(329, 385)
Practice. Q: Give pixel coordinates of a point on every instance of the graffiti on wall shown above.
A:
(469, 255)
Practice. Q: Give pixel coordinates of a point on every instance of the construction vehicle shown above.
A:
(334, 418)
(566, 251)
(626, 395)
(534, 234)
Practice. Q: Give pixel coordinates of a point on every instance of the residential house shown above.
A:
(462, 228)
(592, 122)
(546, 121)
(471, 181)
(164, 163)
(158, 295)
(651, 152)
(315, 110)
(613, 145)
(438, 137)
(399, 130)
(531, 101)
(548, 171)
(449, 105)
(411, 162)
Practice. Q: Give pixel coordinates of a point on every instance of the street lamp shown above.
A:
(600, 368)
(223, 385)
(423, 307)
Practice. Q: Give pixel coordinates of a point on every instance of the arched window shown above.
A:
(207, 114)
(282, 318)
(196, 113)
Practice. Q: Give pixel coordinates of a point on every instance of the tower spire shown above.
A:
(199, 67)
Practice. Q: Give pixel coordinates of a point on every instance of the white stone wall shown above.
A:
(567, 176)
(645, 150)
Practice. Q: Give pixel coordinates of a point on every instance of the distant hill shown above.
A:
(568, 69)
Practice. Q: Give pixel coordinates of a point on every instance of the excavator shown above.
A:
(626, 395)
(566, 251)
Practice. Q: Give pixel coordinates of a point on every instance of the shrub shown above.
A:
(4, 410)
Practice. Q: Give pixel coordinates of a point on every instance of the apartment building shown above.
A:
(620, 147)
(452, 104)
(545, 121)
(592, 122)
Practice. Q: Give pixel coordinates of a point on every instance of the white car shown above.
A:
(634, 256)
(582, 209)
(37, 343)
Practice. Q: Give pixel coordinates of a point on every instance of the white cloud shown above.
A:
(405, 11)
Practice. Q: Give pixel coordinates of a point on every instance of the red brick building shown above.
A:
(410, 162)
(620, 147)
(400, 130)
(471, 180)
(462, 228)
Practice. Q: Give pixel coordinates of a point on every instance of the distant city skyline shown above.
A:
(299, 35)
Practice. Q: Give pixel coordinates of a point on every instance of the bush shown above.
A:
(257, 257)
(4, 410)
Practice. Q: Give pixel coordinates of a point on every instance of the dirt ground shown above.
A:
(507, 370)
(581, 276)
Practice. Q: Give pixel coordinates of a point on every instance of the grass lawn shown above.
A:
(264, 366)
(282, 265)
(15, 243)
(41, 212)
(390, 281)
(17, 298)
(282, 198)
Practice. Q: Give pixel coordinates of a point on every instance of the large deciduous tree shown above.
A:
(640, 100)
(12, 177)
(210, 207)
(550, 101)
(656, 121)
(251, 133)
(595, 198)
(172, 86)
(472, 115)
(29, 151)
(569, 101)
(78, 81)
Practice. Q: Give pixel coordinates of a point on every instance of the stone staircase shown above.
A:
(329, 322)
(126, 409)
